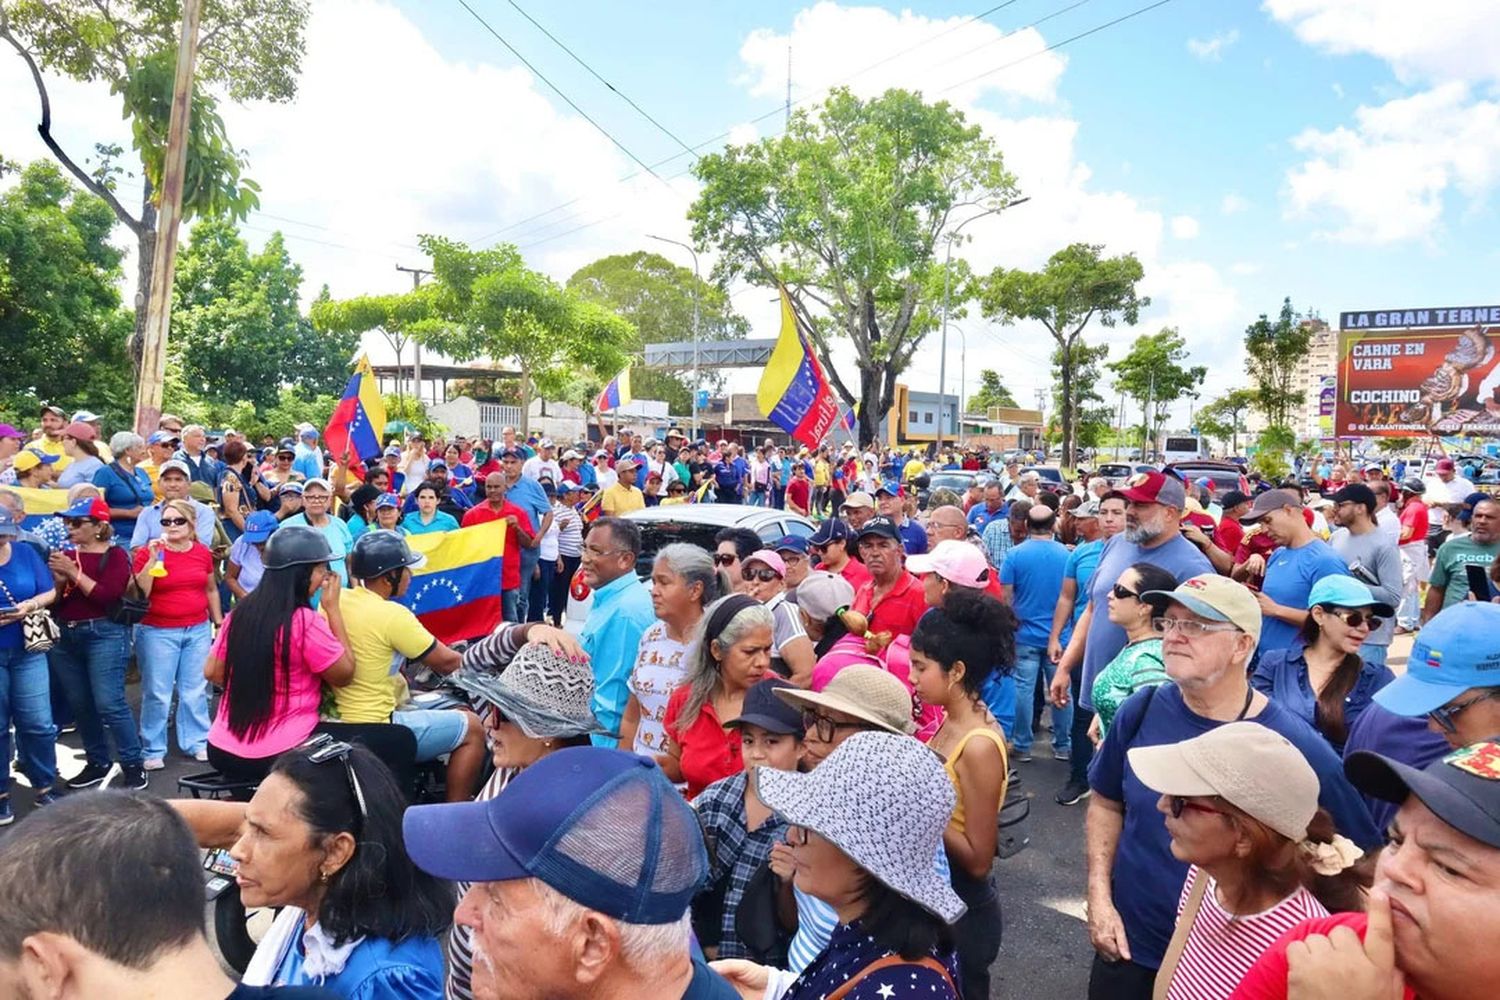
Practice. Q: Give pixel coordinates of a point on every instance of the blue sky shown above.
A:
(1342, 152)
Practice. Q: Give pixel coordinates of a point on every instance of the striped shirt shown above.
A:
(1221, 947)
(569, 525)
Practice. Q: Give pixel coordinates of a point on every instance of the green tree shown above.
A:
(488, 303)
(1076, 286)
(992, 392)
(250, 49)
(1224, 417)
(1153, 376)
(62, 331)
(1395, 445)
(1092, 416)
(239, 334)
(656, 296)
(1272, 350)
(847, 209)
(395, 317)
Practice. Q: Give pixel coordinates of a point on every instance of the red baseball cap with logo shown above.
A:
(1154, 487)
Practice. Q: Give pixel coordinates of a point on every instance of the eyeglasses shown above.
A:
(1354, 619)
(725, 559)
(1178, 804)
(763, 575)
(1121, 594)
(321, 749)
(824, 727)
(1188, 627)
(602, 553)
(818, 549)
(172, 522)
(1444, 716)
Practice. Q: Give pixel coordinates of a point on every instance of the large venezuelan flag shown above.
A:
(40, 504)
(616, 394)
(359, 419)
(794, 393)
(457, 593)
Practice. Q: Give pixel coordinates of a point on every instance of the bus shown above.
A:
(1183, 448)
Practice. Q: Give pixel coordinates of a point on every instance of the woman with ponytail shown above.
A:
(1240, 803)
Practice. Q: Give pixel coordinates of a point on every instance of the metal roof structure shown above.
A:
(711, 354)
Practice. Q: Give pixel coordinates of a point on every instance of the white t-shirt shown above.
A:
(660, 668)
(547, 547)
(606, 477)
(537, 467)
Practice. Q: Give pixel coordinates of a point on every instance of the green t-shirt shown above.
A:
(1139, 665)
(1448, 569)
(683, 475)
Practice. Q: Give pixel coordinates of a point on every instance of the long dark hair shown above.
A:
(899, 925)
(1331, 699)
(380, 892)
(258, 651)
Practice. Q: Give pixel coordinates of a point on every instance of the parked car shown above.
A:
(958, 480)
(1053, 480)
(695, 523)
(1224, 475)
(1115, 472)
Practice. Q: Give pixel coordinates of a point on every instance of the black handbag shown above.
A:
(131, 607)
(755, 920)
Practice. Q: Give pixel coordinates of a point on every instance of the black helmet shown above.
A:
(1414, 485)
(380, 552)
(295, 545)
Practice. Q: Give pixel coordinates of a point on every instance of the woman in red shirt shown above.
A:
(733, 652)
(176, 575)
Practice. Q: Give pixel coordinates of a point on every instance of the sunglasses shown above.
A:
(720, 559)
(1122, 594)
(321, 749)
(1446, 715)
(824, 727)
(172, 522)
(675, 489)
(78, 522)
(1180, 804)
(1354, 619)
(763, 575)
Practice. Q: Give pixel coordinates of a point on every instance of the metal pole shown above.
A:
(416, 364)
(963, 379)
(148, 394)
(697, 284)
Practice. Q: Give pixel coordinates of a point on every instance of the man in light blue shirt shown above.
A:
(527, 493)
(173, 480)
(309, 460)
(621, 614)
(1031, 578)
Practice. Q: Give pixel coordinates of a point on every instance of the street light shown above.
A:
(951, 237)
(696, 282)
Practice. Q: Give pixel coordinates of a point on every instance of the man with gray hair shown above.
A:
(202, 467)
(583, 873)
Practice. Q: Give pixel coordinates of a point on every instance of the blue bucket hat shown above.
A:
(1454, 652)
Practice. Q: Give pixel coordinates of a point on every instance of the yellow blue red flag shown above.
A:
(359, 419)
(794, 393)
(616, 394)
(456, 594)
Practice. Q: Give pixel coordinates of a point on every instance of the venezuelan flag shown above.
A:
(457, 593)
(616, 394)
(359, 419)
(40, 504)
(794, 393)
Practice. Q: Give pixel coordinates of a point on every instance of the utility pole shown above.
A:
(1120, 427)
(697, 284)
(148, 393)
(1146, 417)
(417, 274)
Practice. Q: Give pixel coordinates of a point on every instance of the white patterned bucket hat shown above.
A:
(884, 800)
(545, 694)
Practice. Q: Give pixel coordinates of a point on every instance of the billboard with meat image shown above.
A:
(1417, 372)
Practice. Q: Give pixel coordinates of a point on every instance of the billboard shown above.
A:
(1419, 372)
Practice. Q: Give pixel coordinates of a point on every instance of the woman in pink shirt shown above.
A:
(273, 655)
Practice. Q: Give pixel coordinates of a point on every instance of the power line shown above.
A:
(556, 89)
(616, 90)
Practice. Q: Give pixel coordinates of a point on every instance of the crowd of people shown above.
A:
(775, 771)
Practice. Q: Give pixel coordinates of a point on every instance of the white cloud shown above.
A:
(1454, 40)
(1234, 204)
(1212, 49)
(743, 134)
(1244, 268)
(1385, 178)
(1338, 90)
(1184, 227)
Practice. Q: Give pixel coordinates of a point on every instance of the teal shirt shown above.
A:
(340, 540)
(1139, 665)
(441, 521)
(612, 637)
(1448, 569)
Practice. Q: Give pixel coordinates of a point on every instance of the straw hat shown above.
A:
(867, 693)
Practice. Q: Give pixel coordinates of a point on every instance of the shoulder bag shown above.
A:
(39, 632)
(132, 606)
(1180, 938)
(886, 963)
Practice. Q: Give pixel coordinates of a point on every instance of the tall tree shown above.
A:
(1077, 285)
(1092, 416)
(848, 209)
(992, 392)
(249, 49)
(60, 300)
(1272, 350)
(239, 331)
(656, 296)
(1224, 417)
(1154, 376)
(395, 317)
(488, 303)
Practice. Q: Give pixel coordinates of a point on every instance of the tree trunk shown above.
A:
(144, 266)
(870, 412)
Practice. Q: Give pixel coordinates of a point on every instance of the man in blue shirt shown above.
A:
(201, 466)
(526, 493)
(981, 514)
(173, 481)
(1300, 560)
(621, 613)
(309, 457)
(913, 535)
(1031, 578)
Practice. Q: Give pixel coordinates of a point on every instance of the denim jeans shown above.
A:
(523, 593)
(510, 602)
(88, 663)
(1031, 661)
(25, 700)
(172, 659)
(1083, 749)
(541, 590)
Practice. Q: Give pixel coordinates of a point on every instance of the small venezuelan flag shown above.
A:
(616, 394)
(359, 419)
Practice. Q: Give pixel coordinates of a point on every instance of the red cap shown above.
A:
(1445, 465)
(1154, 487)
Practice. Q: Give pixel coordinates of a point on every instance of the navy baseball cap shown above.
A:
(602, 827)
(762, 708)
(882, 526)
(1454, 652)
(1461, 788)
(513, 453)
(832, 530)
(791, 543)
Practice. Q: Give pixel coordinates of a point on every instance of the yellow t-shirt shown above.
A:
(822, 474)
(47, 446)
(380, 632)
(621, 499)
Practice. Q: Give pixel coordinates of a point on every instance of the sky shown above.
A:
(1345, 153)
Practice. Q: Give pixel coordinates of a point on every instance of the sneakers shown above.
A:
(1062, 755)
(89, 776)
(201, 756)
(1072, 793)
(1021, 756)
(6, 816)
(46, 798)
(132, 778)
(153, 764)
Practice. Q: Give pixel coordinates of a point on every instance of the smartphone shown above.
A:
(1479, 582)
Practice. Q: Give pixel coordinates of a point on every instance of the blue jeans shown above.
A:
(25, 700)
(523, 593)
(541, 587)
(88, 664)
(510, 601)
(1031, 660)
(172, 659)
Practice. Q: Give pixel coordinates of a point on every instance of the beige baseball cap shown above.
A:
(1217, 598)
(1245, 764)
(859, 499)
